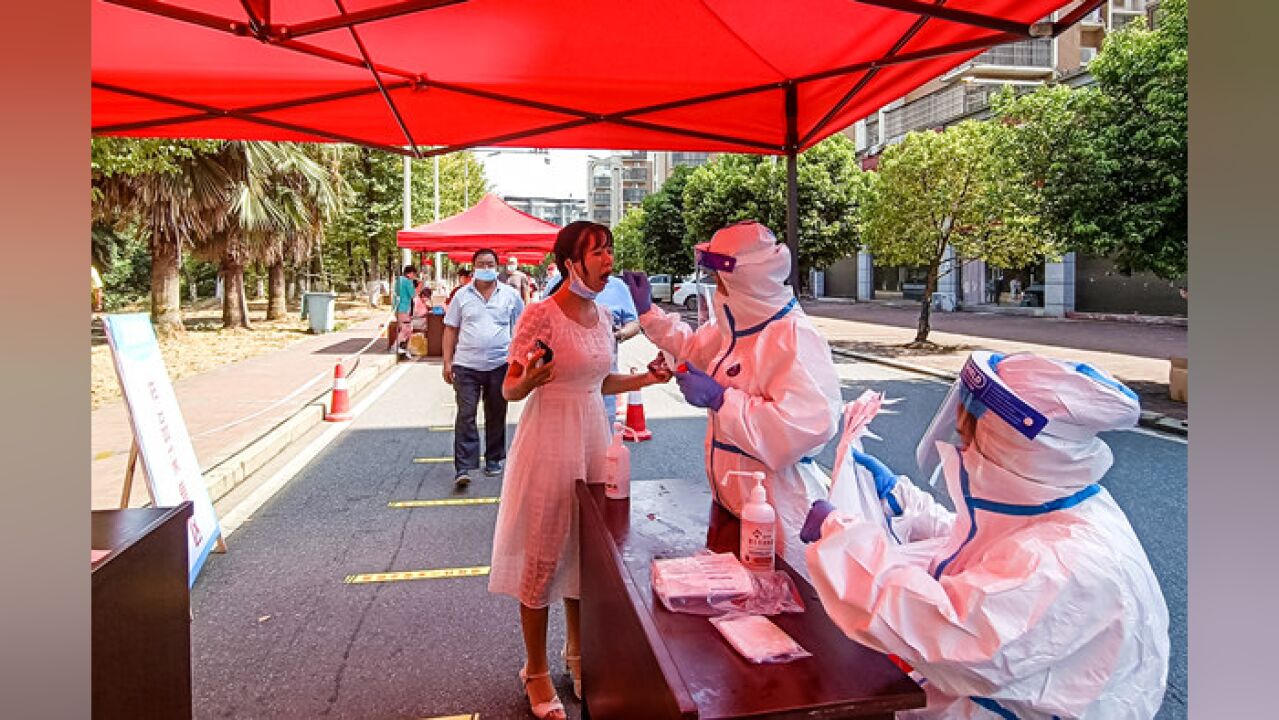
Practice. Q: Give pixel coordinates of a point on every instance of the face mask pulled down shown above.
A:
(577, 287)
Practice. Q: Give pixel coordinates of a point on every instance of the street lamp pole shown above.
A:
(406, 255)
(439, 257)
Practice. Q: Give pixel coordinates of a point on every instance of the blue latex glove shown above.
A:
(885, 479)
(812, 530)
(700, 389)
(641, 290)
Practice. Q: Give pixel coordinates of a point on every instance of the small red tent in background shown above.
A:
(463, 257)
(491, 223)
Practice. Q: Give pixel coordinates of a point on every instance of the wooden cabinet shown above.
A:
(141, 614)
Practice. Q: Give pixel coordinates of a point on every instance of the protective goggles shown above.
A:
(979, 390)
(713, 261)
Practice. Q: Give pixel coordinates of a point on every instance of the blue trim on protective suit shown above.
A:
(996, 708)
(776, 316)
(974, 504)
(733, 449)
(1094, 374)
(732, 345)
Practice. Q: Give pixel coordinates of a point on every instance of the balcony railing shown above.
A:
(1036, 53)
(936, 109)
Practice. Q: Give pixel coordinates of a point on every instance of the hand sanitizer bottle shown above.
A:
(757, 548)
(617, 463)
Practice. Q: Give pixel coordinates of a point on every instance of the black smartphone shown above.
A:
(548, 355)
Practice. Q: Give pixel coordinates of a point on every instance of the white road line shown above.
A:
(249, 505)
(1156, 434)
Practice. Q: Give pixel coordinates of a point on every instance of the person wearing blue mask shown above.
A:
(477, 336)
(1034, 599)
(562, 437)
(761, 370)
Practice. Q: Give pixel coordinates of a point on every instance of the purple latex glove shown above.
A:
(700, 389)
(812, 530)
(641, 290)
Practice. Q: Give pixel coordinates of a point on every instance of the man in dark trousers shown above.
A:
(477, 335)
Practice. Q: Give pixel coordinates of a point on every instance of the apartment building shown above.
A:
(560, 211)
(664, 163)
(616, 183)
(1082, 283)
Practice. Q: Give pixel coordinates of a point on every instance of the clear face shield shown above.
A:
(709, 265)
(979, 390)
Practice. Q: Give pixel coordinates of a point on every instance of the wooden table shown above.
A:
(643, 661)
(141, 614)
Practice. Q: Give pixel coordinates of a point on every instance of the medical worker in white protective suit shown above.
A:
(1035, 598)
(763, 372)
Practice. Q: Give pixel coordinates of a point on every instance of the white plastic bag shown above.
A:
(695, 584)
(852, 489)
(757, 639)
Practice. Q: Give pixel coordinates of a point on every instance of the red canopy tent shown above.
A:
(525, 257)
(426, 77)
(491, 223)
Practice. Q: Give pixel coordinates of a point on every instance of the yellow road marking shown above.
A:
(449, 428)
(423, 461)
(472, 716)
(440, 503)
(364, 578)
(106, 454)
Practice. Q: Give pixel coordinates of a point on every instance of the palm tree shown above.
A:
(278, 200)
(311, 193)
(171, 191)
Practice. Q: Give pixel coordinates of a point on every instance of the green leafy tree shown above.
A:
(629, 250)
(1108, 162)
(751, 187)
(361, 240)
(1142, 75)
(957, 188)
(1054, 146)
(666, 244)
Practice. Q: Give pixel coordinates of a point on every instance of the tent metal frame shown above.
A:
(257, 25)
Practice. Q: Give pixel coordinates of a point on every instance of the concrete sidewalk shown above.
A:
(1135, 353)
(239, 415)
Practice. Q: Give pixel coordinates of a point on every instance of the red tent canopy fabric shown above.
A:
(435, 76)
(491, 223)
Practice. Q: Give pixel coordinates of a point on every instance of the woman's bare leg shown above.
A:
(533, 623)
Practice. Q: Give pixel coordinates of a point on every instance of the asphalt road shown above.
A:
(277, 633)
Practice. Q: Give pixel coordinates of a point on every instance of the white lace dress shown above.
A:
(562, 437)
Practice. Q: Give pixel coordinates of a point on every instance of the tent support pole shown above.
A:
(792, 183)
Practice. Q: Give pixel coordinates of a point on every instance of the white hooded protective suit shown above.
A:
(782, 394)
(1035, 599)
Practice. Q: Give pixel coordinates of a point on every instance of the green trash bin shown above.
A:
(319, 308)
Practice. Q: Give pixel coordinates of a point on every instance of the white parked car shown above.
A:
(661, 285)
(685, 293)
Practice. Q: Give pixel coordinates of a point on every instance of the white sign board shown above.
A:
(173, 473)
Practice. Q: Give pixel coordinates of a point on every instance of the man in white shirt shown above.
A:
(517, 279)
(477, 335)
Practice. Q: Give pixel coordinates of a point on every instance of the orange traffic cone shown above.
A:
(635, 429)
(340, 406)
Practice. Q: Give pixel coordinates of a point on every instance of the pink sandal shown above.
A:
(542, 710)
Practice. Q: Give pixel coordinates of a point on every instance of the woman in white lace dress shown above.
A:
(562, 437)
